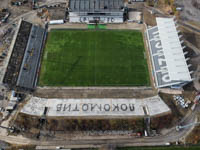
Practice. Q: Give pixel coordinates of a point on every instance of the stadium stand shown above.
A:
(96, 11)
(169, 62)
(24, 62)
(29, 67)
(15, 61)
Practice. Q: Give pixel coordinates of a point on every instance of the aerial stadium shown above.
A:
(99, 57)
(99, 74)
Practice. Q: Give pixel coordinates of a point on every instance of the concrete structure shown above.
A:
(170, 68)
(151, 106)
(29, 67)
(18, 50)
(96, 11)
(22, 69)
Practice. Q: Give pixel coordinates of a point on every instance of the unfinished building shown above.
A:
(15, 61)
(22, 69)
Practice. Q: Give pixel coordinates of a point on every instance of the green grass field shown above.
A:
(94, 58)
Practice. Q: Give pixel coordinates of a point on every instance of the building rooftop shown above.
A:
(96, 5)
(173, 50)
(168, 58)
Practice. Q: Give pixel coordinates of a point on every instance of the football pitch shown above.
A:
(94, 58)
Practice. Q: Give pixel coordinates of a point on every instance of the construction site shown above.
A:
(90, 73)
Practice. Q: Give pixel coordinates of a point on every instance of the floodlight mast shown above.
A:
(179, 127)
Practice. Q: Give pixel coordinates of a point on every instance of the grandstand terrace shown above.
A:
(29, 67)
(23, 65)
(17, 55)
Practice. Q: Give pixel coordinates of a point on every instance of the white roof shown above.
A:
(56, 21)
(173, 51)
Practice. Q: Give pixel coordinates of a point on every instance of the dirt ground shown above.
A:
(168, 99)
(177, 111)
(191, 10)
(193, 48)
(194, 59)
(17, 10)
(166, 6)
(149, 19)
(194, 136)
(56, 13)
(190, 36)
(17, 147)
(66, 128)
(136, 6)
(4, 4)
(130, 25)
(76, 126)
(93, 93)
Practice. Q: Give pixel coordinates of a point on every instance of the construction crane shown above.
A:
(179, 127)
